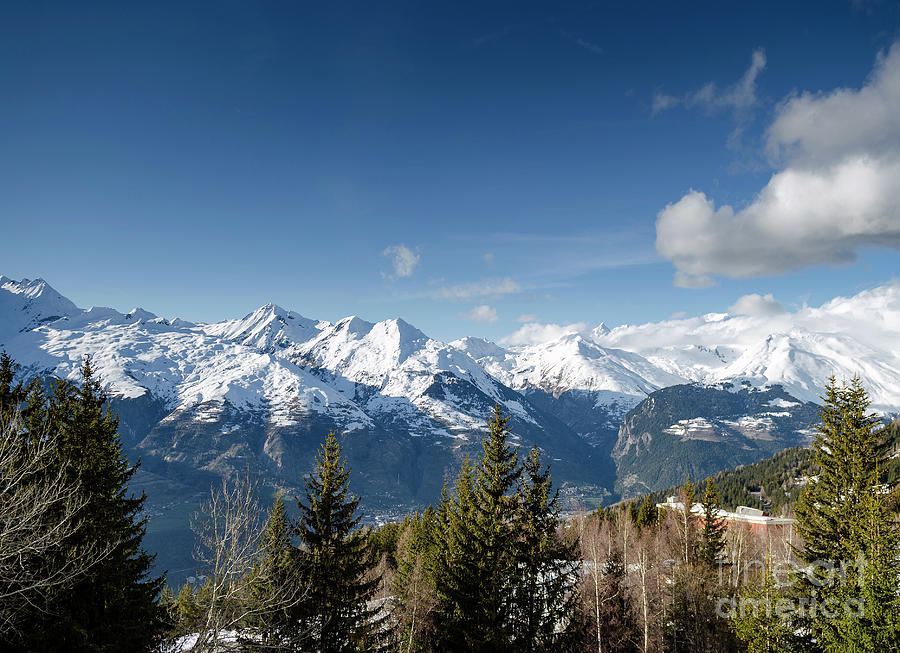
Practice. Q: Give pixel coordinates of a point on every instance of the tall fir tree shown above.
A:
(114, 607)
(337, 562)
(712, 536)
(477, 568)
(452, 569)
(276, 588)
(12, 393)
(546, 598)
(849, 533)
(755, 617)
(648, 513)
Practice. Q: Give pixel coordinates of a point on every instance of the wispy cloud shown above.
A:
(740, 98)
(403, 261)
(495, 35)
(483, 313)
(476, 289)
(582, 42)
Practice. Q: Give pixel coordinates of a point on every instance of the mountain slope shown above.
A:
(261, 392)
(698, 430)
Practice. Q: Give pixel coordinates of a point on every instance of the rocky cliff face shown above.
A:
(700, 429)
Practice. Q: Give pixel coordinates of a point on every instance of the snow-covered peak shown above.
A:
(363, 352)
(573, 363)
(140, 314)
(267, 328)
(479, 348)
(802, 361)
(599, 331)
(27, 304)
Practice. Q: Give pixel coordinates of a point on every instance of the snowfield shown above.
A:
(284, 364)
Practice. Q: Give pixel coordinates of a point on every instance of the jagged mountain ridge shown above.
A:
(259, 392)
(284, 371)
(262, 391)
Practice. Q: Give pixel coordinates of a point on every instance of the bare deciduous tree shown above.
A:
(228, 529)
(40, 510)
(419, 599)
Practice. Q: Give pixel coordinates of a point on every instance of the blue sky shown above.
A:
(468, 167)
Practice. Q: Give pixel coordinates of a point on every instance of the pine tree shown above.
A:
(454, 571)
(336, 560)
(849, 534)
(114, 608)
(184, 611)
(276, 588)
(712, 537)
(755, 619)
(11, 393)
(546, 598)
(648, 514)
(615, 611)
(476, 569)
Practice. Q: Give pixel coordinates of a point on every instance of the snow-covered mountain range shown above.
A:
(287, 373)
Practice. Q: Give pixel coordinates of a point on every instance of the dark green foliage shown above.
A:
(502, 578)
(545, 596)
(336, 561)
(11, 392)
(712, 536)
(384, 540)
(114, 607)
(691, 623)
(846, 524)
(754, 617)
(276, 588)
(620, 626)
(648, 514)
(184, 611)
(476, 567)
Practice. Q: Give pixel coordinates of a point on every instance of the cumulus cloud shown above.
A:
(535, 333)
(483, 313)
(483, 288)
(403, 261)
(825, 127)
(757, 305)
(837, 191)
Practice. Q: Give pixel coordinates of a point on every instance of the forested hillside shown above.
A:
(772, 484)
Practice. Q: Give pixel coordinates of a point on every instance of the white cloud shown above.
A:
(821, 128)
(757, 305)
(483, 288)
(535, 333)
(526, 317)
(403, 261)
(837, 192)
(483, 313)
